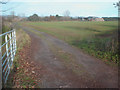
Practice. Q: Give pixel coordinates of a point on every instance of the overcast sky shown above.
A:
(98, 8)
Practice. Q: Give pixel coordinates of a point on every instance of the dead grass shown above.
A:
(22, 38)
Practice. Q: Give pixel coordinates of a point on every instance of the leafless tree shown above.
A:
(4, 2)
(66, 13)
(12, 14)
(117, 4)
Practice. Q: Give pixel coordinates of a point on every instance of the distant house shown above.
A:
(81, 18)
(99, 19)
(86, 19)
(91, 18)
(95, 19)
(17, 18)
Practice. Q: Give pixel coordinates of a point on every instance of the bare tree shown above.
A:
(12, 14)
(117, 4)
(66, 13)
(4, 2)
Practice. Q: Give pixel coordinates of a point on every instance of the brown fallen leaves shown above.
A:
(27, 71)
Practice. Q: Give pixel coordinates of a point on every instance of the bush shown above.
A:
(105, 48)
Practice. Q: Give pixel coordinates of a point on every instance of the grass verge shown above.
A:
(19, 77)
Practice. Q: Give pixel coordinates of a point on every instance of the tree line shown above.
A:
(35, 17)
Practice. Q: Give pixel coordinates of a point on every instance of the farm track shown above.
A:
(80, 71)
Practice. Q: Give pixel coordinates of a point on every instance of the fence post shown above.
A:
(13, 43)
(15, 40)
(11, 51)
(6, 39)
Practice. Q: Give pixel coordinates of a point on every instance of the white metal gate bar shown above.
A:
(10, 51)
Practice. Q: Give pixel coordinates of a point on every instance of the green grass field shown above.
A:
(96, 38)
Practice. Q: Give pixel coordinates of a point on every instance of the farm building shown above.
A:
(99, 19)
(90, 18)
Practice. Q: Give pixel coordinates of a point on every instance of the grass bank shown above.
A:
(18, 78)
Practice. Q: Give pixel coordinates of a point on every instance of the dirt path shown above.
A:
(66, 66)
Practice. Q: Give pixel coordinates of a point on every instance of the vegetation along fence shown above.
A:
(8, 49)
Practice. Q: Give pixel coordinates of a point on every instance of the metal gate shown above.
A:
(8, 50)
